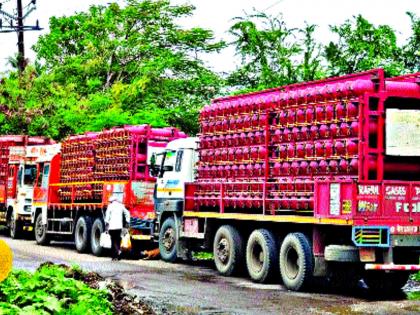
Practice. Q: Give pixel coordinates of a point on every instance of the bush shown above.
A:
(50, 291)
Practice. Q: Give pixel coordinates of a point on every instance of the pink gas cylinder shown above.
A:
(235, 139)
(291, 119)
(232, 124)
(250, 170)
(354, 129)
(247, 122)
(260, 137)
(258, 170)
(246, 153)
(303, 167)
(215, 142)
(319, 149)
(351, 148)
(309, 150)
(277, 136)
(354, 166)
(295, 168)
(235, 171)
(340, 110)
(239, 123)
(213, 171)
(224, 154)
(352, 110)
(329, 148)
(255, 120)
(203, 155)
(320, 113)
(218, 126)
(313, 167)
(329, 112)
(296, 134)
(313, 131)
(324, 131)
(254, 153)
(300, 115)
(310, 115)
(283, 117)
(262, 120)
(228, 171)
(221, 171)
(282, 152)
(334, 132)
(262, 153)
(285, 167)
(339, 148)
(323, 167)
(300, 150)
(290, 151)
(344, 129)
(343, 166)
(333, 166)
(231, 154)
(204, 127)
(251, 138)
(304, 131)
(238, 154)
(276, 169)
(287, 135)
(243, 138)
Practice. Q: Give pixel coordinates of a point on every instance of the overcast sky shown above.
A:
(217, 15)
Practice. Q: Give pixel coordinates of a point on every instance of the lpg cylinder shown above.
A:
(354, 129)
(258, 170)
(235, 139)
(320, 113)
(343, 166)
(250, 170)
(285, 168)
(313, 131)
(319, 149)
(283, 152)
(247, 122)
(210, 156)
(254, 153)
(300, 115)
(213, 171)
(324, 131)
(232, 124)
(290, 151)
(351, 148)
(262, 120)
(215, 141)
(262, 153)
(255, 120)
(221, 171)
(235, 171)
(300, 150)
(283, 117)
(329, 148)
(333, 166)
(295, 168)
(291, 117)
(309, 150)
(228, 171)
(323, 167)
(224, 155)
(231, 154)
(238, 154)
(309, 115)
(339, 148)
(218, 126)
(313, 167)
(276, 169)
(287, 135)
(243, 138)
(334, 132)
(277, 136)
(239, 123)
(203, 155)
(246, 153)
(304, 133)
(251, 138)
(204, 127)
(329, 112)
(242, 170)
(352, 110)
(344, 129)
(296, 134)
(303, 168)
(340, 110)
(354, 166)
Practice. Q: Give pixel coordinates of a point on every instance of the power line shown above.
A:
(14, 22)
(273, 5)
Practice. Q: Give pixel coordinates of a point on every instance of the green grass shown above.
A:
(50, 290)
(414, 295)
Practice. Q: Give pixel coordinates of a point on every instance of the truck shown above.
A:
(73, 186)
(305, 181)
(17, 175)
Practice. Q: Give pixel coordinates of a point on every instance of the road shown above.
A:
(198, 289)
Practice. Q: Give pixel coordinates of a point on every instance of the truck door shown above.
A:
(41, 185)
(12, 181)
(170, 185)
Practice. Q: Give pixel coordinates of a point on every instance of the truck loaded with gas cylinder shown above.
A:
(73, 187)
(300, 181)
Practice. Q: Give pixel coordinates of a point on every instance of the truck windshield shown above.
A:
(29, 175)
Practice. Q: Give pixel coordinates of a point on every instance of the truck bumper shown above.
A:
(392, 267)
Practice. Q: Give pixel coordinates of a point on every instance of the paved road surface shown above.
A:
(192, 289)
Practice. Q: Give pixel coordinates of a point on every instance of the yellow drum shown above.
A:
(6, 259)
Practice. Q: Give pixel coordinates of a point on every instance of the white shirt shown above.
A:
(114, 215)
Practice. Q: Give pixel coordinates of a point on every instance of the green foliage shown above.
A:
(49, 291)
(362, 46)
(411, 50)
(415, 295)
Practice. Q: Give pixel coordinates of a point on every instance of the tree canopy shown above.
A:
(134, 63)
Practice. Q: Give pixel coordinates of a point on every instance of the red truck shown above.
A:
(72, 188)
(18, 155)
(300, 181)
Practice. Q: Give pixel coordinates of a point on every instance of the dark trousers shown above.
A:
(116, 242)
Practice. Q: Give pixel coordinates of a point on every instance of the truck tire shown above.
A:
(228, 250)
(385, 283)
(15, 227)
(168, 240)
(82, 234)
(342, 253)
(296, 262)
(261, 255)
(98, 228)
(40, 231)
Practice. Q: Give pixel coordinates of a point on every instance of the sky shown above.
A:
(217, 15)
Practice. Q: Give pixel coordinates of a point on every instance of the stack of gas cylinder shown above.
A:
(270, 146)
(5, 143)
(118, 154)
(77, 165)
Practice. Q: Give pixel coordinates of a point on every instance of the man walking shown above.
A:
(116, 217)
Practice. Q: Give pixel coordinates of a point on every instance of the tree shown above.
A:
(362, 46)
(130, 64)
(411, 50)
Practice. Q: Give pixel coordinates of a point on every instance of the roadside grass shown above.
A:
(414, 295)
(50, 290)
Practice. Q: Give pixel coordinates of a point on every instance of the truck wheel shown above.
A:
(98, 228)
(388, 283)
(15, 227)
(228, 250)
(82, 234)
(41, 235)
(261, 255)
(168, 240)
(296, 262)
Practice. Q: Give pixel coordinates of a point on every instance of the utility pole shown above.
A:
(14, 23)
